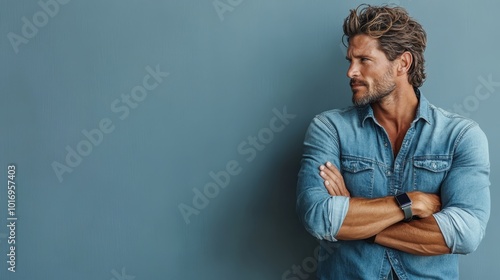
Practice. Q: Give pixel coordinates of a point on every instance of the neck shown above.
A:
(398, 109)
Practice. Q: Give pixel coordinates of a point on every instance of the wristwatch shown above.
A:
(404, 202)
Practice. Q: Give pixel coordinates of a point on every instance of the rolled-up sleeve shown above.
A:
(465, 193)
(321, 213)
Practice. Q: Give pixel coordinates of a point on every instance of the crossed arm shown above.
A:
(453, 222)
(383, 217)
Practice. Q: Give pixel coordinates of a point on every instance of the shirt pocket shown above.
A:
(429, 172)
(358, 175)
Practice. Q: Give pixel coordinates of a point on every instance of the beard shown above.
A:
(378, 91)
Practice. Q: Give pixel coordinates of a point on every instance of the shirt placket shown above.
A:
(397, 188)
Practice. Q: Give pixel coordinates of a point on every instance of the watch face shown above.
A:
(403, 199)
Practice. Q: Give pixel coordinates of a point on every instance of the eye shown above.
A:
(364, 59)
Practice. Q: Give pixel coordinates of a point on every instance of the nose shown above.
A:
(353, 70)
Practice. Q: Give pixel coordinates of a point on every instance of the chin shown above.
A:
(359, 98)
(358, 94)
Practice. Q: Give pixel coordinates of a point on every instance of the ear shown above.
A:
(405, 62)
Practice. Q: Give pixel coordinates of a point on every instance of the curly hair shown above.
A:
(396, 32)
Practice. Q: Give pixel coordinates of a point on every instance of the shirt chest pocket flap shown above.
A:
(358, 176)
(429, 172)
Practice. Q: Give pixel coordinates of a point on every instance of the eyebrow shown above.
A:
(349, 58)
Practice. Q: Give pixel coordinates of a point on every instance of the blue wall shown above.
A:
(117, 114)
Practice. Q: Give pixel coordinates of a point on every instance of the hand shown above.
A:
(424, 204)
(334, 182)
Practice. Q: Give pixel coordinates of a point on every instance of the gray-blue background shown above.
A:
(116, 215)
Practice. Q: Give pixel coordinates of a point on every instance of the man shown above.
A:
(399, 185)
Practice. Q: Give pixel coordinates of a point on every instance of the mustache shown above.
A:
(357, 82)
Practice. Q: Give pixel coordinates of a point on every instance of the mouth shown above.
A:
(356, 84)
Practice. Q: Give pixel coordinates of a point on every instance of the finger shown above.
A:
(337, 187)
(326, 174)
(333, 169)
(329, 173)
(336, 176)
(333, 182)
(340, 179)
(329, 188)
(332, 189)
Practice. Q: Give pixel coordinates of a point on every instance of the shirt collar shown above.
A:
(366, 112)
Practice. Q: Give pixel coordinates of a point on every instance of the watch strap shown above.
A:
(408, 213)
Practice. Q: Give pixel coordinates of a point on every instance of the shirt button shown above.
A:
(388, 172)
(434, 165)
(385, 144)
(397, 166)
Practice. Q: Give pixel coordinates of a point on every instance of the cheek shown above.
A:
(369, 82)
(368, 76)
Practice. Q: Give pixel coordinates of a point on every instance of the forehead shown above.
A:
(363, 45)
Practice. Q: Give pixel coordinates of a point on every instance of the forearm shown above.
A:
(419, 237)
(367, 217)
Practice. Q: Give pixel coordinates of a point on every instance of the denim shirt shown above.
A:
(442, 153)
